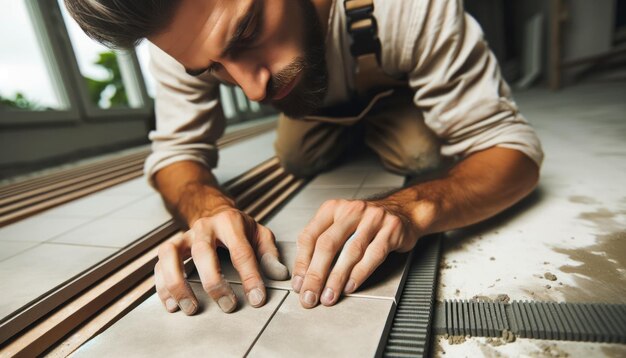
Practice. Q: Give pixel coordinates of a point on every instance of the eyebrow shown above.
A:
(237, 40)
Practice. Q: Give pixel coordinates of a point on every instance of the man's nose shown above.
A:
(252, 79)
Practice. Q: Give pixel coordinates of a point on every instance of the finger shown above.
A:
(374, 256)
(231, 232)
(326, 248)
(205, 258)
(307, 239)
(173, 278)
(351, 253)
(168, 301)
(269, 256)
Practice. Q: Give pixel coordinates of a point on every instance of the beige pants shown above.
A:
(392, 126)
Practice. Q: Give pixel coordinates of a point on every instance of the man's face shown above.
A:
(272, 49)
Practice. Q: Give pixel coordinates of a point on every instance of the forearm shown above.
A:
(190, 191)
(477, 188)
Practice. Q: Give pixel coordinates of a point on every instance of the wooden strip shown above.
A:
(68, 173)
(22, 213)
(244, 199)
(270, 195)
(104, 319)
(244, 181)
(67, 189)
(119, 170)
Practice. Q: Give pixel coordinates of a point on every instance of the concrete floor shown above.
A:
(573, 226)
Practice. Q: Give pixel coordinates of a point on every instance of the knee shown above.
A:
(299, 164)
(416, 160)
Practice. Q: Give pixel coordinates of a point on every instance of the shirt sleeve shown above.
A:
(458, 84)
(189, 117)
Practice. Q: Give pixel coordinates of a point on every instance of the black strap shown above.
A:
(362, 28)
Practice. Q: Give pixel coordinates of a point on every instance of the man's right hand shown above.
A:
(242, 236)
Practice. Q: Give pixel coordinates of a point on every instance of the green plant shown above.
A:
(96, 88)
(19, 102)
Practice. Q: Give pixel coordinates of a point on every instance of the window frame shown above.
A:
(56, 47)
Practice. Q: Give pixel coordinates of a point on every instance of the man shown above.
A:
(296, 55)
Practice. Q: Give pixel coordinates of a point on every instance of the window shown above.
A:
(110, 78)
(28, 80)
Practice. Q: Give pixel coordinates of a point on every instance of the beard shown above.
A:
(308, 95)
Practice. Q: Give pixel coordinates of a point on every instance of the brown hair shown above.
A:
(121, 23)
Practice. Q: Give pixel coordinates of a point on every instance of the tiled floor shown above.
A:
(149, 331)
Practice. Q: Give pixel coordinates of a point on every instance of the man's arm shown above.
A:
(190, 191)
(189, 122)
(464, 100)
(477, 188)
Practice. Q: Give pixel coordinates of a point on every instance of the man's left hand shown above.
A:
(361, 233)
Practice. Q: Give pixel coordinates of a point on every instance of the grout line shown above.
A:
(267, 323)
(21, 252)
(88, 222)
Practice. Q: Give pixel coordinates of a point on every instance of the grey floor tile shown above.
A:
(367, 193)
(39, 228)
(149, 331)
(150, 207)
(92, 206)
(32, 273)
(12, 248)
(382, 179)
(136, 187)
(383, 284)
(311, 198)
(110, 231)
(352, 328)
(288, 223)
(339, 178)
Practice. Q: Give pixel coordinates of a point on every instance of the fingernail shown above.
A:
(273, 268)
(328, 295)
(309, 298)
(256, 297)
(350, 286)
(227, 304)
(296, 282)
(187, 306)
(171, 305)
